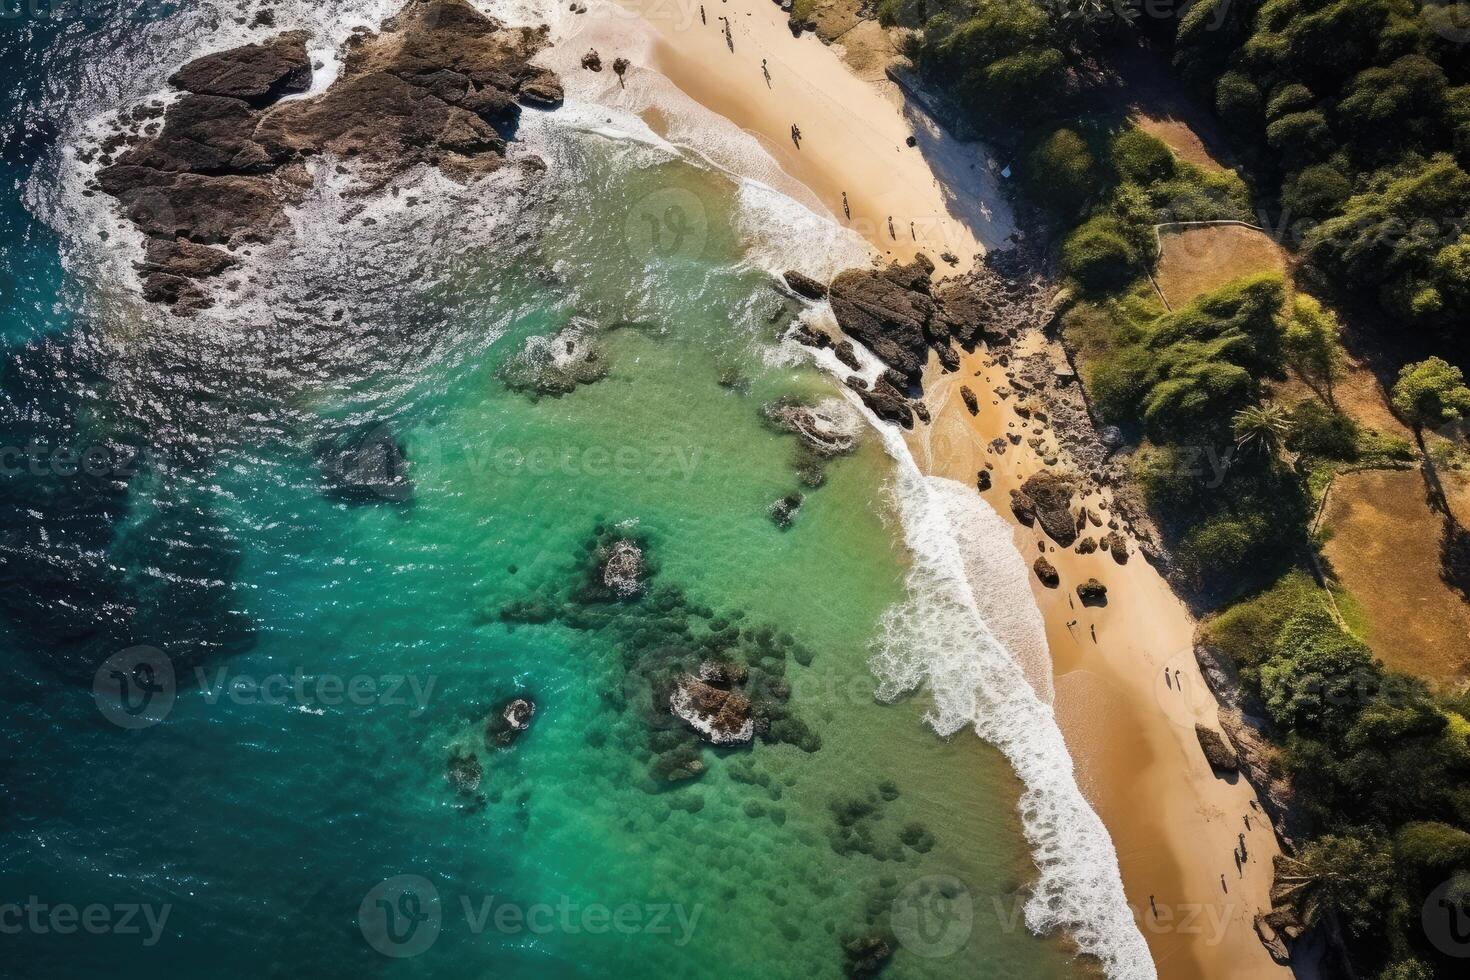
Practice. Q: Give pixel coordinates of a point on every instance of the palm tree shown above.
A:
(1263, 428)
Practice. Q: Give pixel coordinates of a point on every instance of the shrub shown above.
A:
(1289, 98)
(1428, 846)
(1320, 678)
(1099, 256)
(1238, 103)
(1141, 158)
(1315, 192)
(1300, 138)
(1321, 432)
(1119, 381)
(1221, 547)
(1247, 631)
(1062, 172)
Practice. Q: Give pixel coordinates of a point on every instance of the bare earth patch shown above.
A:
(1193, 261)
(1385, 550)
(1180, 137)
(1357, 394)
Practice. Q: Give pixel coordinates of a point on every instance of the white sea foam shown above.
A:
(954, 636)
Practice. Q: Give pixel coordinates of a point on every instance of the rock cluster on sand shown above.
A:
(1217, 749)
(1048, 495)
(1093, 593)
(438, 86)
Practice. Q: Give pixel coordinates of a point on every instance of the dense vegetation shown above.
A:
(1381, 766)
(1352, 119)
(1358, 113)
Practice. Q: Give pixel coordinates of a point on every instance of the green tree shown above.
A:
(1310, 340)
(1338, 880)
(1099, 256)
(1430, 392)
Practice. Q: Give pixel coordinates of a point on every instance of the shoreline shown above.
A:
(1172, 821)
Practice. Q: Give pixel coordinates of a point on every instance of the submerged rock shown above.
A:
(827, 429)
(365, 467)
(509, 722)
(557, 365)
(622, 571)
(783, 511)
(464, 771)
(866, 955)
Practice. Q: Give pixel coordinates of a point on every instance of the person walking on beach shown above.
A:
(796, 135)
(846, 211)
(1152, 907)
(890, 229)
(1223, 887)
(1167, 679)
(911, 232)
(766, 72)
(702, 18)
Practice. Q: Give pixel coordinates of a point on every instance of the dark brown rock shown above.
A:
(1046, 572)
(592, 61)
(887, 311)
(888, 403)
(184, 258)
(204, 134)
(255, 73)
(1052, 495)
(1117, 545)
(982, 480)
(847, 355)
(804, 285)
(542, 90)
(971, 402)
(1023, 507)
(1093, 593)
(1217, 749)
(385, 123)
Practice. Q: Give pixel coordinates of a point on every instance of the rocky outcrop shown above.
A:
(1244, 721)
(888, 311)
(437, 87)
(972, 404)
(803, 285)
(509, 722)
(721, 716)
(1217, 749)
(823, 429)
(256, 74)
(1050, 495)
(885, 401)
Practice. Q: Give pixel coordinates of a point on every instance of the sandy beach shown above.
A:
(1175, 824)
(853, 132)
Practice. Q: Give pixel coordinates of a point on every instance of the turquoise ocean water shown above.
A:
(261, 833)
